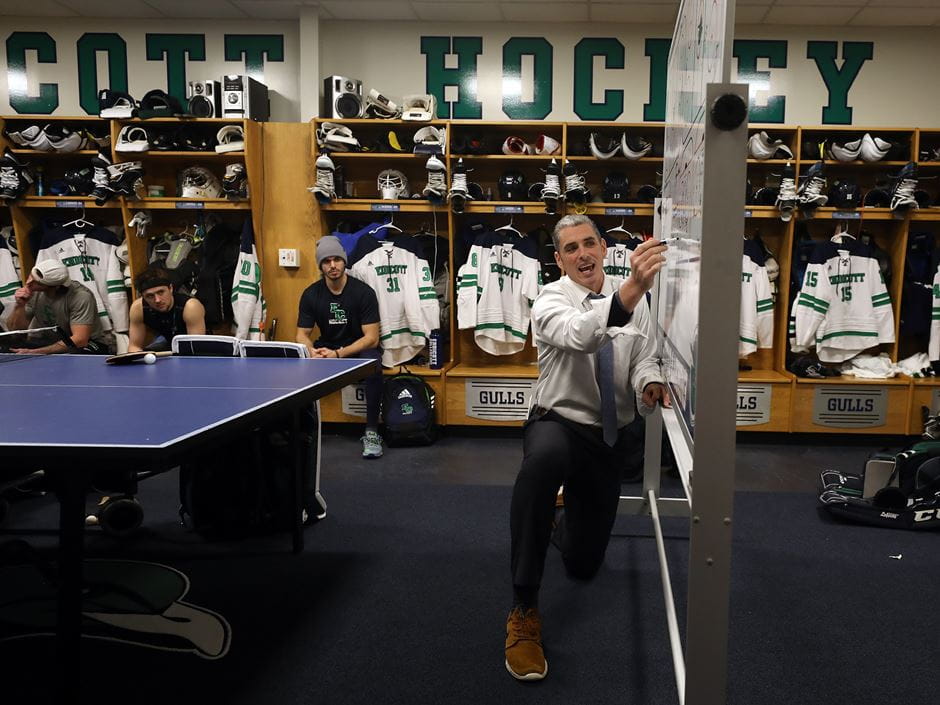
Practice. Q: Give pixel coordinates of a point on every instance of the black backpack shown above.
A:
(408, 411)
(244, 487)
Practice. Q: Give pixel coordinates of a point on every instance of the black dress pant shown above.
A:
(560, 452)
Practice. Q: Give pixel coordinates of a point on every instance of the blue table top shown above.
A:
(77, 401)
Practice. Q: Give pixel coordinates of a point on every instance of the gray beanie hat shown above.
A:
(330, 246)
(50, 272)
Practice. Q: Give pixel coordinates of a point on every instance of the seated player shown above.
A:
(346, 312)
(51, 298)
(162, 311)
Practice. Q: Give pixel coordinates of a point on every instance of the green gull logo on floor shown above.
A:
(133, 602)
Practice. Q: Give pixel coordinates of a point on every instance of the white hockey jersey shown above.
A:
(757, 304)
(617, 260)
(843, 306)
(9, 283)
(408, 305)
(90, 254)
(497, 287)
(248, 305)
(933, 347)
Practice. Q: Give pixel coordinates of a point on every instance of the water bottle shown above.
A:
(436, 350)
(40, 182)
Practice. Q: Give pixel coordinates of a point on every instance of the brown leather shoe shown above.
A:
(525, 659)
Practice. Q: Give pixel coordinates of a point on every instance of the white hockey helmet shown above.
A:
(392, 184)
(231, 138)
(419, 108)
(199, 182)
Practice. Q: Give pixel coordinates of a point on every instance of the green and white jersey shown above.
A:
(843, 306)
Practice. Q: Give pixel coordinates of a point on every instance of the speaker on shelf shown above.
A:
(342, 97)
(204, 98)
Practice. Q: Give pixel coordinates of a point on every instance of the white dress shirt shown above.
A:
(569, 327)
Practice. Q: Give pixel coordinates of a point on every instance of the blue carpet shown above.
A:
(401, 596)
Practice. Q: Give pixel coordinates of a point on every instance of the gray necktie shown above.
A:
(605, 382)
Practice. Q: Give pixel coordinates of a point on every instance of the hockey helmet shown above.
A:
(199, 182)
(392, 184)
(616, 187)
(813, 149)
(80, 180)
(845, 194)
(166, 140)
(512, 186)
(535, 191)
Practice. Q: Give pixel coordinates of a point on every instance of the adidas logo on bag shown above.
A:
(404, 394)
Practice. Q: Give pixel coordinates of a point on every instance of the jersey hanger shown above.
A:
(620, 229)
(509, 226)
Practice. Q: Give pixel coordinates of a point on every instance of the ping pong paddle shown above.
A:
(131, 357)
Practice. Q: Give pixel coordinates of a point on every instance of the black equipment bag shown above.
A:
(910, 499)
(245, 487)
(408, 411)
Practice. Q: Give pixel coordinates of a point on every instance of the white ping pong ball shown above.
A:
(150, 358)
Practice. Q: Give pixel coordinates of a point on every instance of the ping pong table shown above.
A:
(73, 416)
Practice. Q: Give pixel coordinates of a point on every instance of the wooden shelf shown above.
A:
(772, 162)
(762, 376)
(37, 153)
(53, 201)
(520, 371)
(379, 155)
(761, 212)
(846, 380)
(185, 204)
(137, 156)
(639, 209)
(617, 160)
(405, 205)
(508, 157)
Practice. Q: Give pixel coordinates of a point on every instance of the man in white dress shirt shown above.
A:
(597, 364)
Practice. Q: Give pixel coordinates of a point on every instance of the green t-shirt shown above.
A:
(75, 305)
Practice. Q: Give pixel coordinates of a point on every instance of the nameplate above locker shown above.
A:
(495, 399)
(69, 204)
(850, 407)
(508, 209)
(190, 205)
(385, 207)
(354, 400)
(753, 407)
(619, 211)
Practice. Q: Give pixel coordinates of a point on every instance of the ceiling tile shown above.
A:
(269, 9)
(457, 11)
(35, 8)
(107, 8)
(369, 9)
(633, 14)
(749, 14)
(896, 16)
(537, 12)
(207, 9)
(821, 15)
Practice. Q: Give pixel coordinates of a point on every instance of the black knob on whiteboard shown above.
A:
(729, 111)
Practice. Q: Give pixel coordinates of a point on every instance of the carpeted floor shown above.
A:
(401, 595)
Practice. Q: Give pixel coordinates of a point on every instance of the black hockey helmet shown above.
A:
(766, 196)
(616, 187)
(845, 194)
(512, 186)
